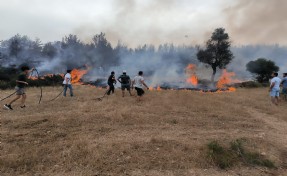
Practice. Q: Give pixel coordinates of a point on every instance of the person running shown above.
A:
(67, 83)
(275, 89)
(125, 81)
(138, 83)
(111, 82)
(21, 82)
(284, 86)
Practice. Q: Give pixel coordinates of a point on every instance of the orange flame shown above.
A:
(190, 69)
(225, 79)
(77, 74)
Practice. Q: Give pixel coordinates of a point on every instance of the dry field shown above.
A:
(165, 135)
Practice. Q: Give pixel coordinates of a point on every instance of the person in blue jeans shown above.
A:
(275, 88)
(67, 83)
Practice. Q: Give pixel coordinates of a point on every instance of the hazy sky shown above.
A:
(137, 22)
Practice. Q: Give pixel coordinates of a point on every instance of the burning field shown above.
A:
(166, 134)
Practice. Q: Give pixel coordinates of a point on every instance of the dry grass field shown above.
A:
(165, 135)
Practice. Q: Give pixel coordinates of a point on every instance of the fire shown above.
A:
(225, 79)
(77, 74)
(190, 70)
(193, 80)
(158, 88)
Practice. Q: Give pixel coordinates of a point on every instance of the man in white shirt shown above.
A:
(275, 88)
(138, 83)
(67, 83)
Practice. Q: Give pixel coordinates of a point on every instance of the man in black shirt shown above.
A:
(125, 80)
(21, 82)
(111, 82)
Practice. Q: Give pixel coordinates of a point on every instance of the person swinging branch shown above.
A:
(21, 82)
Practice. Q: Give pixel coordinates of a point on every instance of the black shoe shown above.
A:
(9, 107)
(23, 106)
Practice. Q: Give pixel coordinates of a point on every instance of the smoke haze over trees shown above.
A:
(164, 63)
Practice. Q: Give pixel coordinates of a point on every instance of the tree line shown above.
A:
(72, 52)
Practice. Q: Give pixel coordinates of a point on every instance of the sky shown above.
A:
(137, 22)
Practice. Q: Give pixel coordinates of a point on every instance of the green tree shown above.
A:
(262, 69)
(217, 53)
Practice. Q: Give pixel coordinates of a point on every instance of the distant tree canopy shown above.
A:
(217, 53)
(71, 52)
(262, 69)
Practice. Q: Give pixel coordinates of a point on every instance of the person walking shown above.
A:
(111, 81)
(125, 81)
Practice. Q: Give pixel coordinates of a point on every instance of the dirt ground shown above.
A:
(165, 135)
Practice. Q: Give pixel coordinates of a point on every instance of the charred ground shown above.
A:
(166, 134)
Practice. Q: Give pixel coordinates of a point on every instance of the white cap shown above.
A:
(124, 71)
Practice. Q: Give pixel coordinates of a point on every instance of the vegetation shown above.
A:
(9, 75)
(262, 69)
(166, 134)
(227, 157)
(217, 53)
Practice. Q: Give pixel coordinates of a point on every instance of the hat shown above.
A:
(124, 71)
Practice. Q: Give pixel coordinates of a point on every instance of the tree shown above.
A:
(217, 53)
(262, 69)
(49, 50)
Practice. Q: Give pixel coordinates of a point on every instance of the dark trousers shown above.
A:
(111, 88)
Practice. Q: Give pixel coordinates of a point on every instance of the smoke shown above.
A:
(257, 22)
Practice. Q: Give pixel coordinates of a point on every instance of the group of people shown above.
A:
(125, 80)
(274, 89)
(127, 84)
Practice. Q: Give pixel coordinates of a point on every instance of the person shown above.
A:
(21, 82)
(284, 85)
(111, 82)
(275, 88)
(125, 81)
(67, 83)
(138, 83)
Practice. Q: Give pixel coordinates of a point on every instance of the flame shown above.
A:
(193, 80)
(190, 70)
(225, 79)
(158, 88)
(77, 74)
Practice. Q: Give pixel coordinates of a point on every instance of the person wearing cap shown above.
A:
(67, 83)
(111, 81)
(125, 81)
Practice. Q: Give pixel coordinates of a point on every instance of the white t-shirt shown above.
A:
(138, 81)
(67, 77)
(277, 82)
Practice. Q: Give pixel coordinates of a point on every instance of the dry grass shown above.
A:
(166, 134)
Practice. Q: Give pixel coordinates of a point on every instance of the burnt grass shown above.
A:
(170, 133)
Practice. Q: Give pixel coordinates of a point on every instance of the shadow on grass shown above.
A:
(225, 157)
